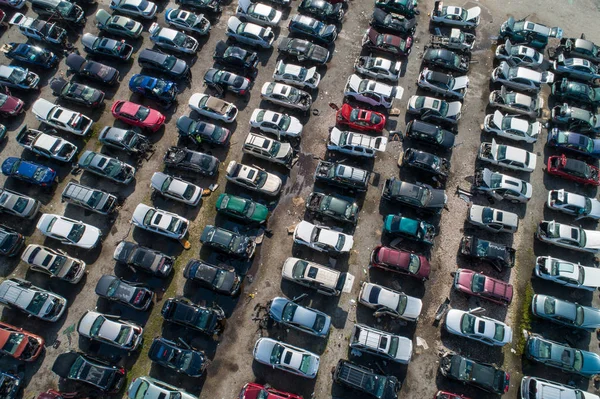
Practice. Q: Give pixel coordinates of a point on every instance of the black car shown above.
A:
(205, 5)
(92, 69)
(393, 22)
(303, 50)
(221, 279)
(178, 357)
(429, 134)
(182, 158)
(226, 80)
(403, 7)
(447, 59)
(312, 28)
(164, 63)
(322, 9)
(115, 289)
(207, 320)
(498, 255)
(10, 385)
(235, 57)
(480, 375)
(419, 196)
(83, 368)
(425, 162)
(366, 380)
(105, 47)
(143, 258)
(11, 242)
(76, 92)
(201, 131)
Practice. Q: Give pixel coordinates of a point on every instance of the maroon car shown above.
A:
(476, 284)
(374, 40)
(403, 262)
(573, 169)
(448, 395)
(9, 105)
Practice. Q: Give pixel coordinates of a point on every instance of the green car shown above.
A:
(242, 208)
(334, 207)
(576, 91)
(408, 8)
(118, 25)
(413, 229)
(527, 32)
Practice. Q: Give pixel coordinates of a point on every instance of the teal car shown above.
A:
(528, 32)
(570, 90)
(408, 8)
(413, 229)
(118, 25)
(242, 208)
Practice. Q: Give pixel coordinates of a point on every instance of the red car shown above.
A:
(482, 286)
(402, 262)
(9, 105)
(20, 344)
(388, 43)
(256, 391)
(573, 169)
(138, 115)
(52, 394)
(360, 119)
(448, 395)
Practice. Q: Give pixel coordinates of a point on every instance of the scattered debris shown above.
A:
(421, 343)
(291, 229)
(442, 309)
(355, 352)
(464, 194)
(213, 186)
(298, 201)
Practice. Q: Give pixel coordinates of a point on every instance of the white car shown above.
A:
(388, 302)
(479, 328)
(160, 222)
(253, 178)
(258, 13)
(268, 149)
(455, 16)
(511, 127)
(357, 144)
(110, 330)
(566, 273)
(322, 239)
(282, 356)
(69, 231)
(372, 92)
(323, 279)
(249, 33)
(286, 96)
(501, 186)
(172, 39)
(443, 83)
(380, 343)
(574, 204)
(492, 219)
(520, 78)
(176, 189)
(137, 8)
(282, 125)
(213, 107)
(566, 236)
(34, 301)
(519, 55)
(17, 204)
(434, 109)
(54, 263)
(507, 156)
(378, 68)
(187, 21)
(296, 75)
(145, 387)
(61, 118)
(46, 145)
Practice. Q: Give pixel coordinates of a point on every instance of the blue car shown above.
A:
(163, 91)
(29, 54)
(30, 172)
(574, 142)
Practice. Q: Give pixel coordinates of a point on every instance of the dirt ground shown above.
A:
(231, 355)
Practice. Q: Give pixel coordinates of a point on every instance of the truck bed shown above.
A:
(26, 137)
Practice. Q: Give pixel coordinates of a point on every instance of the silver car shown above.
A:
(290, 314)
(249, 33)
(296, 75)
(520, 78)
(268, 149)
(286, 96)
(172, 39)
(566, 313)
(108, 167)
(574, 204)
(54, 263)
(276, 123)
(576, 68)
(501, 186)
(378, 68)
(176, 188)
(519, 55)
(356, 144)
(17, 204)
(110, 330)
(514, 102)
(137, 8)
(492, 219)
(258, 13)
(282, 356)
(387, 302)
(443, 83)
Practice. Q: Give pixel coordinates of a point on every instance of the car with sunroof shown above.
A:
(221, 279)
(54, 263)
(110, 330)
(305, 319)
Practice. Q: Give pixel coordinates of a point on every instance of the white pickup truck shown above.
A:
(46, 145)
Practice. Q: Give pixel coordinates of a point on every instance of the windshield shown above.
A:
(306, 363)
(580, 316)
(299, 268)
(394, 343)
(142, 113)
(149, 216)
(276, 354)
(76, 232)
(499, 332)
(64, 7)
(123, 336)
(58, 263)
(3, 98)
(12, 343)
(465, 370)
(477, 283)
(38, 300)
(578, 360)
(179, 39)
(341, 241)
(219, 278)
(96, 326)
(284, 122)
(17, 75)
(275, 148)
(414, 264)
(142, 389)
(288, 311)
(467, 324)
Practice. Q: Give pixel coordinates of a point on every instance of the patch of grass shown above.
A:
(524, 321)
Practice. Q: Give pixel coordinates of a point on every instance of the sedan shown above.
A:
(118, 25)
(219, 78)
(97, 373)
(145, 387)
(207, 320)
(322, 239)
(303, 50)
(282, 356)
(160, 90)
(372, 92)
(10, 105)
(176, 189)
(201, 131)
(481, 375)
(566, 313)
(498, 255)
(407, 8)
(17, 204)
(514, 102)
(128, 140)
(479, 285)
(18, 78)
(243, 209)
(360, 119)
(431, 108)
(253, 178)
(144, 259)
(236, 57)
(312, 28)
(103, 46)
(77, 93)
(508, 157)
(455, 16)
(221, 279)
(492, 219)
(69, 231)
(133, 295)
(46, 145)
(387, 302)
(249, 33)
(561, 356)
(290, 314)
(286, 96)
(378, 68)
(501, 186)
(373, 40)
(61, 117)
(393, 22)
(138, 115)
(569, 274)
(28, 54)
(447, 59)
(29, 172)
(110, 330)
(333, 207)
(213, 107)
(92, 69)
(137, 8)
(570, 90)
(417, 195)
(323, 10)
(54, 263)
(478, 328)
(254, 390)
(576, 68)
(177, 357)
(574, 170)
(570, 237)
(573, 204)
(511, 127)
(172, 39)
(282, 125)
(520, 78)
(443, 83)
(205, 5)
(160, 222)
(187, 21)
(20, 344)
(194, 161)
(576, 119)
(575, 142)
(296, 75)
(258, 13)
(229, 242)
(519, 55)
(108, 167)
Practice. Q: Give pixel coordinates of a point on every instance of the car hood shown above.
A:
(460, 82)
(10, 104)
(319, 54)
(591, 318)
(102, 16)
(272, 184)
(473, 13)
(233, 23)
(595, 210)
(154, 117)
(454, 108)
(592, 239)
(413, 307)
(438, 199)
(591, 365)
(591, 277)
(335, 135)
(295, 127)
(303, 231)
(453, 319)
(90, 237)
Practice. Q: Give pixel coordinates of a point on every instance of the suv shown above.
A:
(32, 300)
(268, 149)
(380, 343)
(325, 280)
(537, 388)
(89, 198)
(343, 176)
(164, 63)
(10, 241)
(366, 380)
(60, 10)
